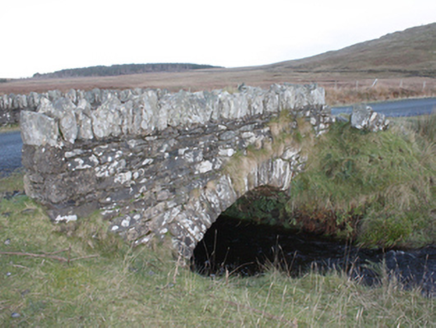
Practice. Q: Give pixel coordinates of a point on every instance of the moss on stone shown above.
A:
(287, 132)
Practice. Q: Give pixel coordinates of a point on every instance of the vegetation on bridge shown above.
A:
(376, 189)
(287, 131)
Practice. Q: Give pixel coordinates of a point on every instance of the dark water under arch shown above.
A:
(247, 249)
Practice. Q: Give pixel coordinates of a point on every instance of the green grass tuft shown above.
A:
(12, 183)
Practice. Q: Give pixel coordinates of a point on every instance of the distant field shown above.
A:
(341, 88)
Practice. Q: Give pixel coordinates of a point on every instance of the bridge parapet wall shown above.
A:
(157, 163)
(12, 104)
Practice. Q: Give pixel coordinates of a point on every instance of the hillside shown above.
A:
(411, 53)
(125, 69)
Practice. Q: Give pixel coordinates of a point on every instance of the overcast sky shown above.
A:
(48, 35)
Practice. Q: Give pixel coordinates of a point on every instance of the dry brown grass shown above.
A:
(341, 88)
(351, 95)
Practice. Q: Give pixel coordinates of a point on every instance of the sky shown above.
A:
(42, 36)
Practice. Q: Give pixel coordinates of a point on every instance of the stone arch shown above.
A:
(205, 206)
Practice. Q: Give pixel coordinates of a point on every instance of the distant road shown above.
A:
(10, 152)
(11, 144)
(409, 107)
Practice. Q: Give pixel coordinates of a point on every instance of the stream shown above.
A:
(248, 249)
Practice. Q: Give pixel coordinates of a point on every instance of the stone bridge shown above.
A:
(156, 163)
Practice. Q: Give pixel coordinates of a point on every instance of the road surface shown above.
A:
(10, 152)
(408, 107)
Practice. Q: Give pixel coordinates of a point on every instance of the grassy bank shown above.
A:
(79, 275)
(375, 188)
(9, 128)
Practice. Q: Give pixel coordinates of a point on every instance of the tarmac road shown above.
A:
(11, 144)
(397, 108)
(10, 152)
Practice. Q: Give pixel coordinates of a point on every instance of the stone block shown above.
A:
(364, 118)
(38, 129)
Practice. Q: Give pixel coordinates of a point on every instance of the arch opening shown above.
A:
(253, 236)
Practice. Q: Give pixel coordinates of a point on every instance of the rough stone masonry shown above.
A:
(154, 162)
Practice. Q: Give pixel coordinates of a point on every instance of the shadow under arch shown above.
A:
(234, 246)
(244, 238)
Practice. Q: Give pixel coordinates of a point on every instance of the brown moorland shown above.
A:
(397, 65)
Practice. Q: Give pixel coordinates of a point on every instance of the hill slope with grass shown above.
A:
(411, 53)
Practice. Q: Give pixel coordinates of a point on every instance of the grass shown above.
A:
(375, 188)
(10, 128)
(12, 183)
(146, 286)
(86, 277)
